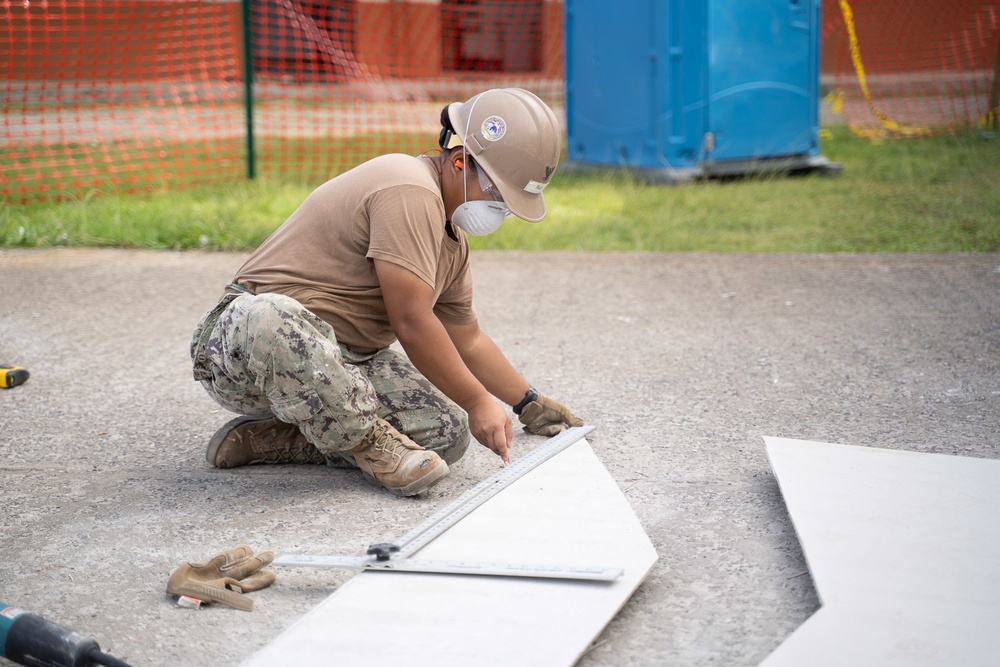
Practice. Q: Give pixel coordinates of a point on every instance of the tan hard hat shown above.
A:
(516, 139)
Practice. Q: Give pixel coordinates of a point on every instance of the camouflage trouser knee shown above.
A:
(268, 355)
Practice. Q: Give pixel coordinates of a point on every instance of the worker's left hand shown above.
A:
(543, 416)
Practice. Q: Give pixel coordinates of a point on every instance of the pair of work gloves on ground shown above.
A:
(225, 578)
(543, 416)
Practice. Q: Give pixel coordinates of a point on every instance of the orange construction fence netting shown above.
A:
(145, 95)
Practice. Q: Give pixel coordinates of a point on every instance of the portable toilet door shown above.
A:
(763, 84)
(635, 85)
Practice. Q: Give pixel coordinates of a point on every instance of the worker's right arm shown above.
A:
(409, 302)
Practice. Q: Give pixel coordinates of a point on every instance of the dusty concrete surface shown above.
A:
(682, 361)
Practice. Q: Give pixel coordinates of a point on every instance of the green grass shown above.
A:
(912, 195)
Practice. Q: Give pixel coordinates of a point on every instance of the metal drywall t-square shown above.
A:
(567, 511)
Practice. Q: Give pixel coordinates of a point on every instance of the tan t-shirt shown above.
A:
(388, 208)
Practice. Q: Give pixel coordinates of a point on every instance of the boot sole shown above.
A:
(417, 485)
(216, 441)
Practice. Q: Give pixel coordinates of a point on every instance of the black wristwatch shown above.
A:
(532, 395)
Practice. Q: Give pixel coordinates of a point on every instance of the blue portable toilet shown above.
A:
(676, 90)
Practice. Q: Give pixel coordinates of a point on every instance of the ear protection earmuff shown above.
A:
(448, 138)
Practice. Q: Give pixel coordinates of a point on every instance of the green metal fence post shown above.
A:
(994, 103)
(248, 88)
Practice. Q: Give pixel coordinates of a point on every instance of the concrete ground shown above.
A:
(682, 361)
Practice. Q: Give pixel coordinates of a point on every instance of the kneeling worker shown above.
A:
(299, 343)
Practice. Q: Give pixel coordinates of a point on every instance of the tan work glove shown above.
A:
(224, 578)
(543, 416)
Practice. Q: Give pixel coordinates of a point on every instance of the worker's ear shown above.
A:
(457, 157)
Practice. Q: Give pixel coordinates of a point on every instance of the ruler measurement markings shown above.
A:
(476, 496)
(592, 573)
(451, 514)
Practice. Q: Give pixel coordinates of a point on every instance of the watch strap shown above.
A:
(531, 395)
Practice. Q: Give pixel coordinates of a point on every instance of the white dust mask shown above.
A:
(479, 217)
(482, 216)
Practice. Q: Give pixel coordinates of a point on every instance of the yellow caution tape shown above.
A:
(887, 123)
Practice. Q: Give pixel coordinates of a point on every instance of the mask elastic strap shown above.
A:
(465, 160)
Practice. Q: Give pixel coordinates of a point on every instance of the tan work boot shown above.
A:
(249, 440)
(391, 459)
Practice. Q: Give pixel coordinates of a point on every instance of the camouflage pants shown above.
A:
(266, 355)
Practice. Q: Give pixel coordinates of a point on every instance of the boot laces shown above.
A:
(283, 445)
(390, 441)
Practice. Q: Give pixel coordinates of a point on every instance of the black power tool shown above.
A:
(31, 640)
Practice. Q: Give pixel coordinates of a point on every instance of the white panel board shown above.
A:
(904, 550)
(567, 511)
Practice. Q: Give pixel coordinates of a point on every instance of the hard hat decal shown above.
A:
(494, 127)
